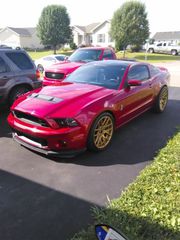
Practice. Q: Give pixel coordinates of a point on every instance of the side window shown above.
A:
(154, 70)
(20, 60)
(108, 54)
(3, 66)
(49, 59)
(140, 72)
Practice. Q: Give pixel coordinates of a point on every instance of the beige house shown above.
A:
(20, 37)
(172, 37)
(96, 34)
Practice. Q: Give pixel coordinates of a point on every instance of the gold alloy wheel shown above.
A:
(103, 132)
(163, 98)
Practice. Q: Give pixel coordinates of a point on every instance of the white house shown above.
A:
(20, 37)
(96, 34)
(172, 37)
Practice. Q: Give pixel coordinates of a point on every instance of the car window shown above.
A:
(139, 72)
(20, 60)
(108, 54)
(3, 66)
(48, 59)
(154, 70)
(60, 58)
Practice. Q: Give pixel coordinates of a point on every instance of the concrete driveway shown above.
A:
(43, 199)
(174, 69)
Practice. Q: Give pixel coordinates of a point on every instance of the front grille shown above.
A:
(30, 119)
(41, 141)
(54, 75)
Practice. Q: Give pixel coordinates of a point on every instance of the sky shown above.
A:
(162, 15)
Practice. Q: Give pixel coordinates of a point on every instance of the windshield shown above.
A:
(60, 57)
(108, 76)
(85, 55)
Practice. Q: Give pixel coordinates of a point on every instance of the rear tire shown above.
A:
(161, 101)
(151, 50)
(16, 92)
(101, 132)
(174, 52)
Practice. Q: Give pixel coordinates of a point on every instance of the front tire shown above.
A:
(101, 132)
(16, 92)
(161, 101)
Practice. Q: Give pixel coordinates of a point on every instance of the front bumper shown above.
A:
(67, 141)
(70, 153)
(50, 82)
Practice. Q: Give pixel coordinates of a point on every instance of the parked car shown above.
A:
(18, 75)
(88, 106)
(3, 46)
(55, 74)
(164, 47)
(49, 60)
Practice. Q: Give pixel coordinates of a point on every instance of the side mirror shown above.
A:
(134, 82)
(66, 58)
(106, 232)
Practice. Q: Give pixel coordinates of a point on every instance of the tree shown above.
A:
(54, 26)
(129, 25)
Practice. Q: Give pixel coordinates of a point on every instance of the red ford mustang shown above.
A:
(88, 106)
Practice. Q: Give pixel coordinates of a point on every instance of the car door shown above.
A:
(5, 76)
(136, 99)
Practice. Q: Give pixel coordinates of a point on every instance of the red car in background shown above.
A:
(56, 73)
(83, 112)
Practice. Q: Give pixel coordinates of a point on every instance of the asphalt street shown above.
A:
(44, 198)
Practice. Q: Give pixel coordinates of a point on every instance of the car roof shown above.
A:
(11, 50)
(94, 48)
(112, 62)
(54, 55)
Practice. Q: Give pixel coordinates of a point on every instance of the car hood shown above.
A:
(65, 67)
(60, 101)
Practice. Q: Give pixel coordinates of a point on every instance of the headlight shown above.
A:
(62, 122)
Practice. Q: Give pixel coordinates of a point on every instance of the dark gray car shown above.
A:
(18, 75)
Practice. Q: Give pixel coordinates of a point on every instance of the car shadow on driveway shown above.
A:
(29, 210)
(5, 130)
(136, 142)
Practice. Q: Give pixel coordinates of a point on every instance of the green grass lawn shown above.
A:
(38, 54)
(151, 57)
(140, 56)
(149, 209)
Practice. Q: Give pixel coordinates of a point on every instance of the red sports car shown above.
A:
(90, 104)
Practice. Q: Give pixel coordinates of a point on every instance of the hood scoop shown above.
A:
(45, 98)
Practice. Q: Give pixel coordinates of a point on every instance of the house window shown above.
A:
(101, 38)
(109, 38)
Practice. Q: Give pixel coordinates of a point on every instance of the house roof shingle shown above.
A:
(23, 31)
(167, 35)
(88, 28)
